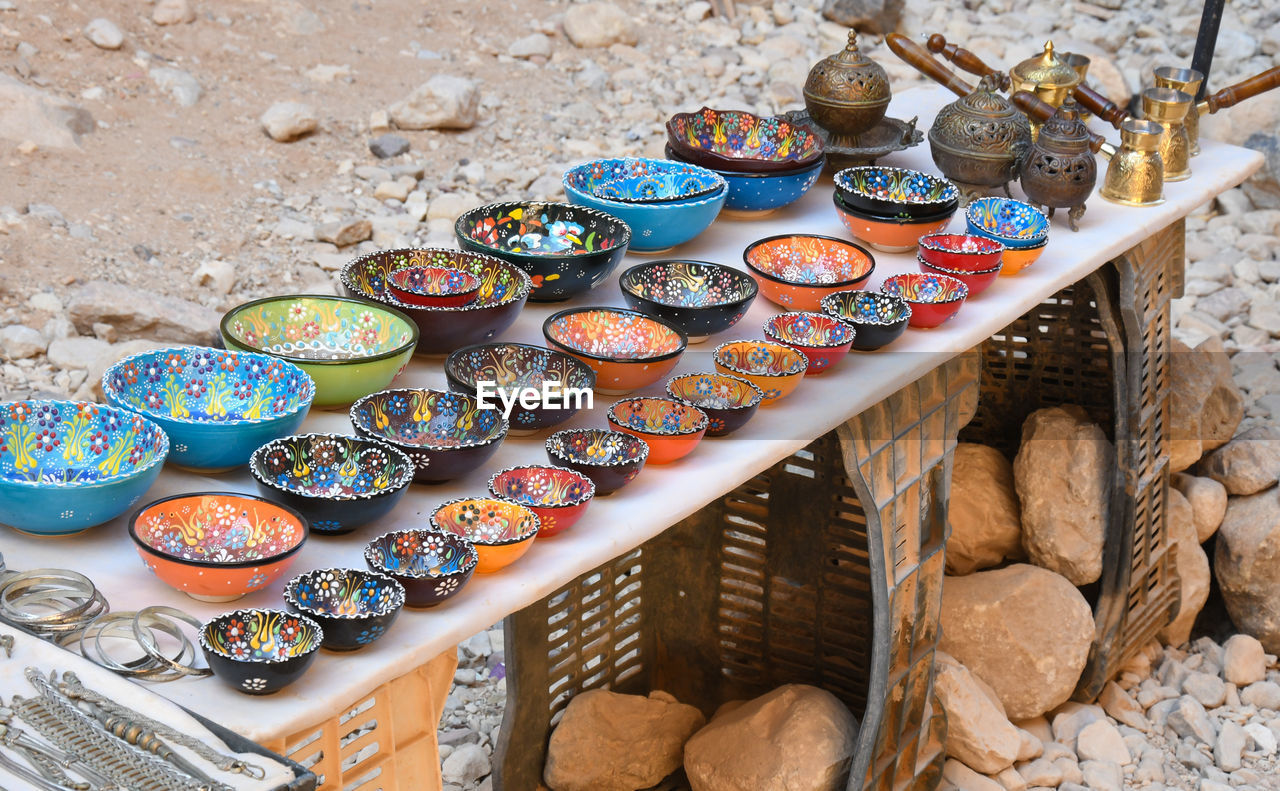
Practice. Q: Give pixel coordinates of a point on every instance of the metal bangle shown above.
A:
(37, 586)
(146, 667)
(145, 638)
(96, 606)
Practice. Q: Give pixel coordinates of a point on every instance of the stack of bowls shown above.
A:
(1020, 227)
(890, 208)
(973, 260)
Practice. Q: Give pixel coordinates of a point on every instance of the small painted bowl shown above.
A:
(1017, 259)
(626, 349)
(338, 482)
(697, 297)
(504, 288)
(798, 270)
(609, 458)
(446, 434)
(1013, 223)
(66, 466)
(217, 546)
(500, 530)
(348, 347)
(961, 251)
(976, 281)
(741, 142)
(887, 191)
(260, 651)
(933, 298)
(567, 250)
(728, 400)
(659, 188)
(670, 428)
(761, 194)
(890, 234)
(431, 565)
(216, 406)
(438, 286)
(774, 368)
(559, 496)
(353, 607)
(822, 339)
(877, 319)
(508, 368)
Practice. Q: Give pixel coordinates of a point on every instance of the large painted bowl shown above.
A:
(670, 428)
(216, 406)
(774, 368)
(699, 298)
(260, 651)
(798, 270)
(1013, 223)
(659, 188)
(500, 530)
(514, 371)
(559, 496)
(353, 607)
(741, 142)
(431, 565)
(348, 347)
(890, 234)
(611, 459)
(887, 191)
(504, 288)
(761, 194)
(822, 339)
(654, 226)
(446, 434)
(567, 250)
(933, 298)
(728, 400)
(338, 482)
(877, 319)
(627, 349)
(217, 546)
(66, 466)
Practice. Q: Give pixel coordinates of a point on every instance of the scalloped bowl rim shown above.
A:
(870, 259)
(302, 521)
(470, 553)
(699, 426)
(584, 498)
(386, 298)
(351, 414)
(242, 613)
(630, 438)
(601, 216)
(626, 282)
(683, 338)
(404, 479)
(756, 391)
(525, 536)
(904, 306)
(802, 361)
(397, 601)
(771, 331)
(385, 355)
(905, 276)
(841, 181)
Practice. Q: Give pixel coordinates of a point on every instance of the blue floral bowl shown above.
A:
(352, 606)
(1010, 222)
(758, 194)
(654, 226)
(660, 187)
(432, 565)
(66, 466)
(216, 406)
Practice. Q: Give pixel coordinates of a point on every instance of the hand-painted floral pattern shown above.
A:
(218, 528)
(595, 174)
(344, 593)
(714, 391)
(660, 187)
(614, 334)
(332, 466)
(808, 329)
(658, 416)
(897, 185)
(597, 447)
(736, 134)
(69, 443)
(515, 366)
(261, 636)
(809, 259)
(486, 521)
(427, 419)
(420, 553)
(919, 287)
(1008, 218)
(542, 487)
(760, 358)
(434, 280)
(543, 229)
(866, 307)
(500, 283)
(688, 284)
(317, 328)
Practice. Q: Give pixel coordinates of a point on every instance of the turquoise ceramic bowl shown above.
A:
(760, 193)
(1010, 222)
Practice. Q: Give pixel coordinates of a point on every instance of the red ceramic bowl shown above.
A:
(976, 281)
(433, 286)
(500, 530)
(627, 349)
(798, 270)
(822, 339)
(557, 495)
(961, 252)
(933, 298)
(671, 429)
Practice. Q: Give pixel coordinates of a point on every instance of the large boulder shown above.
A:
(986, 524)
(1024, 630)
(1205, 404)
(1247, 464)
(139, 314)
(1063, 475)
(1247, 565)
(1193, 568)
(795, 738)
(1208, 500)
(49, 121)
(978, 732)
(445, 101)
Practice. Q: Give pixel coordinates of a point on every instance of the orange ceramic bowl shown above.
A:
(500, 530)
(627, 349)
(1018, 259)
(890, 234)
(217, 546)
(670, 429)
(774, 368)
(798, 270)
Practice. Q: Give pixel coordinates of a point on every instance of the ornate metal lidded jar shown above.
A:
(1060, 171)
(847, 93)
(978, 140)
(1046, 75)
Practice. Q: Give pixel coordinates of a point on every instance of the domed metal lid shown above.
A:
(983, 123)
(848, 77)
(1046, 70)
(1064, 130)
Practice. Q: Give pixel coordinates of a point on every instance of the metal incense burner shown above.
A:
(1060, 171)
(847, 93)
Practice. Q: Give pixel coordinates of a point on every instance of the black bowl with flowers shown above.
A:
(352, 606)
(611, 459)
(260, 651)
(698, 297)
(432, 565)
(338, 482)
(509, 368)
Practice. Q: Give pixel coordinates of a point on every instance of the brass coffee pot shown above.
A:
(1168, 107)
(1060, 171)
(1046, 75)
(1188, 81)
(847, 93)
(1135, 176)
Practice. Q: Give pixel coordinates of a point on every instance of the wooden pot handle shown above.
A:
(920, 59)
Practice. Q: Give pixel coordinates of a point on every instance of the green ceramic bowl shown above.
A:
(350, 347)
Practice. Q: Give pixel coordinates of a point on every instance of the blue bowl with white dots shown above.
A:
(353, 607)
(759, 194)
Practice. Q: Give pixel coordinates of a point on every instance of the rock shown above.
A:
(1011, 780)
(1210, 690)
(1205, 405)
(1070, 772)
(1247, 464)
(1100, 741)
(18, 342)
(978, 733)
(28, 114)
(103, 34)
(534, 45)
(286, 121)
(1208, 500)
(379, 122)
(1070, 719)
(76, 354)
(998, 624)
(1063, 474)
(1262, 694)
(796, 737)
(450, 206)
(1029, 746)
(961, 777)
(614, 742)
(986, 525)
(216, 274)
(1038, 727)
(1264, 741)
(445, 101)
(1121, 707)
(1102, 775)
(1264, 188)
(873, 16)
(1190, 721)
(1228, 751)
(388, 145)
(1040, 772)
(599, 25)
(1247, 565)
(1243, 660)
(1193, 569)
(173, 12)
(344, 233)
(466, 764)
(180, 85)
(137, 314)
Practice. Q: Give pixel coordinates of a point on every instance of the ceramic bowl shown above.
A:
(892, 192)
(654, 226)
(822, 339)
(933, 298)
(217, 546)
(626, 349)
(66, 466)
(500, 530)
(433, 286)
(659, 188)
(431, 565)
(1013, 223)
(1017, 259)
(670, 428)
(728, 400)
(566, 250)
(504, 288)
(877, 319)
(353, 607)
(338, 482)
(774, 368)
(976, 281)
(260, 651)
(697, 297)
(611, 459)
(446, 434)
(509, 368)
(741, 142)
(890, 234)
(348, 347)
(961, 251)
(216, 406)
(798, 270)
(559, 496)
(761, 194)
